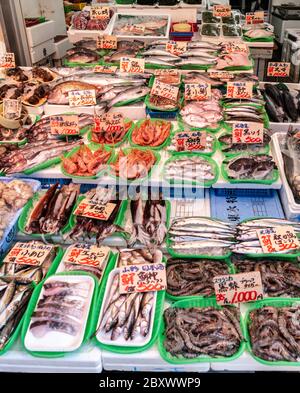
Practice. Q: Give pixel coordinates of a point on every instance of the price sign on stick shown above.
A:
(100, 13)
(247, 132)
(12, 108)
(31, 253)
(97, 211)
(164, 90)
(223, 75)
(82, 98)
(222, 10)
(86, 254)
(132, 66)
(110, 122)
(176, 47)
(143, 278)
(191, 141)
(235, 47)
(105, 69)
(279, 69)
(7, 60)
(197, 91)
(107, 42)
(278, 239)
(64, 125)
(238, 288)
(255, 17)
(240, 90)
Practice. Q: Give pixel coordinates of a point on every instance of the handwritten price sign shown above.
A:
(176, 47)
(88, 208)
(64, 125)
(132, 66)
(12, 108)
(240, 90)
(110, 122)
(247, 132)
(191, 141)
(238, 47)
(278, 239)
(222, 75)
(107, 42)
(238, 288)
(104, 69)
(82, 98)
(7, 60)
(86, 254)
(255, 17)
(277, 69)
(164, 90)
(31, 253)
(143, 278)
(222, 10)
(197, 91)
(98, 12)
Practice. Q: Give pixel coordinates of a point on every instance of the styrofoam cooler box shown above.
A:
(61, 48)
(40, 33)
(291, 208)
(42, 50)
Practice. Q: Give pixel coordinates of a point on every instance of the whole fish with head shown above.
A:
(59, 93)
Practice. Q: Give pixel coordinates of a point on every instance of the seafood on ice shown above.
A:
(200, 236)
(189, 168)
(125, 317)
(290, 154)
(86, 162)
(149, 221)
(138, 256)
(233, 60)
(151, 133)
(274, 332)
(140, 25)
(52, 209)
(133, 163)
(280, 278)
(250, 167)
(196, 332)
(186, 277)
(110, 135)
(201, 114)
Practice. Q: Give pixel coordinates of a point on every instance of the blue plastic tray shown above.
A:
(235, 205)
(161, 114)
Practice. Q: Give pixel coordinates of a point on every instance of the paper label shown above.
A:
(82, 98)
(278, 239)
(88, 208)
(31, 253)
(164, 72)
(247, 132)
(164, 90)
(64, 125)
(143, 278)
(255, 17)
(176, 47)
(7, 60)
(221, 75)
(135, 29)
(278, 69)
(222, 10)
(238, 288)
(238, 47)
(132, 66)
(191, 140)
(12, 108)
(110, 122)
(98, 12)
(197, 91)
(107, 42)
(240, 90)
(105, 69)
(86, 254)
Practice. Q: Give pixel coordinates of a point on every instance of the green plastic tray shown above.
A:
(224, 173)
(231, 270)
(89, 136)
(160, 147)
(264, 149)
(156, 325)
(32, 305)
(259, 304)
(94, 147)
(207, 183)
(262, 39)
(196, 302)
(181, 130)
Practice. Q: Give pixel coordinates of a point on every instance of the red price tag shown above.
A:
(82, 98)
(86, 254)
(191, 141)
(31, 253)
(110, 122)
(98, 12)
(132, 66)
(7, 60)
(176, 47)
(255, 17)
(278, 239)
(107, 42)
(278, 69)
(222, 10)
(247, 132)
(64, 125)
(240, 90)
(88, 208)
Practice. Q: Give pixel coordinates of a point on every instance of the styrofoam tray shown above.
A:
(58, 341)
(105, 338)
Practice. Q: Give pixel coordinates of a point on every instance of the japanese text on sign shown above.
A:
(110, 122)
(88, 208)
(98, 12)
(222, 10)
(12, 108)
(31, 253)
(238, 288)
(278, 69)
(86, 254)
(64, 125)
(278, 239)
(107, 42)
(82, 98)
(247, 132)
(164, 90)
(190, 141)
(240, 90)
(238, 47)
(105, 69)
(176, 47)
(197, 91)
(143, 278)
(132, 66)
(7, 60)
(255, 17)
(135, 29)
(164, 72)
(224, 75)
